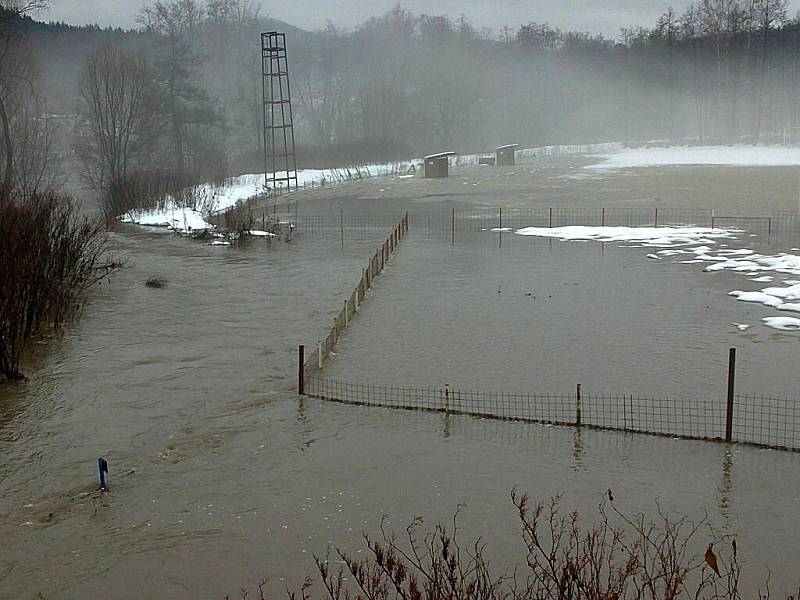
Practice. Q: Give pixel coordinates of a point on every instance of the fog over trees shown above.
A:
(183, 92)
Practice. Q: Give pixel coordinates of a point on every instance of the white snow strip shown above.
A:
(783, 323)
(646, 236)
(245, 187)
(736, 156)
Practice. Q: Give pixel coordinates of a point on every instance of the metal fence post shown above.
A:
(501, 227)
(578, 406)
(301, 374)
(551, 218)
(446, 397)
(731, 395)
(656, 218)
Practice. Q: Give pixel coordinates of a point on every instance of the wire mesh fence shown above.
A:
(759, 421)
(749, 419)
(453, 223)
(351, 305)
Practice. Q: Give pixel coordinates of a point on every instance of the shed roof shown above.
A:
(508, 146)
(440, 155)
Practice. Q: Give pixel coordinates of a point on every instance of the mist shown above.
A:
(404, 84)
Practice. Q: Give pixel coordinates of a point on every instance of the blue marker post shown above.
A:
(102, 466)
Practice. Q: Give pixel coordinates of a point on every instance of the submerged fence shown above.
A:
(764, 422)
(351, 305)
(741, 418)
(453, 223)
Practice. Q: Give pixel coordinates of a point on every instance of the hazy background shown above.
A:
(603, 16)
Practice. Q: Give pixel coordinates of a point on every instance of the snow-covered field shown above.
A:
(699, 245)
(734, 156)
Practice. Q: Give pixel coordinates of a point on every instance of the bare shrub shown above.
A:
(49, 258)
(619, 557)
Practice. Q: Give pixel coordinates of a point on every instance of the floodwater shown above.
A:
(221, 475)
(541, 316)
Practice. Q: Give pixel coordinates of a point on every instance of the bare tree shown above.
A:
(187, 105)
(117, 108)
(15, 70)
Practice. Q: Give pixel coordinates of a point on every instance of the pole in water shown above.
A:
(102, 467)
(731, 395)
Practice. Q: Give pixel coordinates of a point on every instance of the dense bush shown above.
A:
(49, 258)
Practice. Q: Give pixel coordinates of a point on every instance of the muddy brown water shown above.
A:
(221, 475)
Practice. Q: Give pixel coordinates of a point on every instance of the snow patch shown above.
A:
(646, 236)
(782, 323)
(735, 156)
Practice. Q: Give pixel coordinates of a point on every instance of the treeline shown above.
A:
(188, 86)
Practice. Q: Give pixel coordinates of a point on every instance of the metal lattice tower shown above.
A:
(280, 163)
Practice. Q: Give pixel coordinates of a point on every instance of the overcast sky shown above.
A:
(599, 16)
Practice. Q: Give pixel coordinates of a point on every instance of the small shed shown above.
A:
(506, 155)
(438, 165)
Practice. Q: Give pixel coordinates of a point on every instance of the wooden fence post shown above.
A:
(731, 395)
(346, 313)
(319, 355)
(578, 407)
(301, 375)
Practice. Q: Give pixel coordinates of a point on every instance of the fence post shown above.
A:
(578, 406)
(358, 293)
(346, 313)
(731, 395)
(446, 397)
(501, 227)
(301, 373)
(551, 218)
(603, 221)
(319, 354)
(656, 220)
(712, 218)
